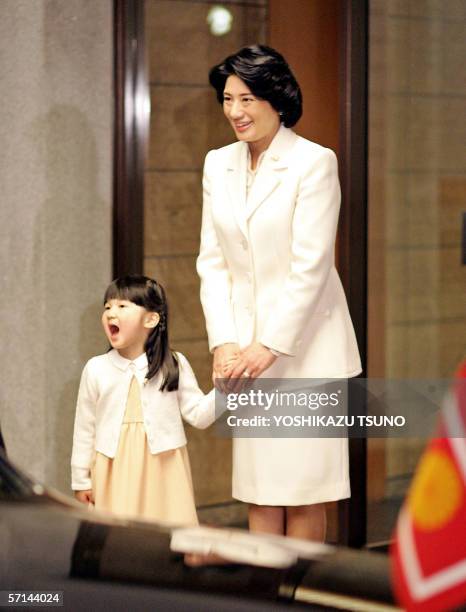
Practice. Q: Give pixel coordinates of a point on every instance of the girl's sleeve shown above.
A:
(197, 408)
(313, 230)
(214, 274)
(84, 433)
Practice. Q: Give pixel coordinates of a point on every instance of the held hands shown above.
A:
(85, 497)
(254, 360)
(224, 358)
(234, 364)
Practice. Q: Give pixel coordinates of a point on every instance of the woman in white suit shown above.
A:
(272, 298)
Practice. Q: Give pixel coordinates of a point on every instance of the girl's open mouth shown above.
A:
(114, 329)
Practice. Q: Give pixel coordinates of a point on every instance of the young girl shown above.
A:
(129, 447)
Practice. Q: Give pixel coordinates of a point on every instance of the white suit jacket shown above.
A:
(267, 267)
(100, 409)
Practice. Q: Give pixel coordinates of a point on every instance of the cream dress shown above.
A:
(138, 484)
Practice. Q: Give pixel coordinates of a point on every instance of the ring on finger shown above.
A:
(246, 374)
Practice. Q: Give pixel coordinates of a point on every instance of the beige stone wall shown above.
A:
(55, 218)
(186, 122)
(417, 190)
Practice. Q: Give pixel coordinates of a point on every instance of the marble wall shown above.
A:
(417, 190)
(186, 122)
(55, 218)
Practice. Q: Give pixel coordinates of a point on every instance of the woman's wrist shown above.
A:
(218, 346)
(273, 351)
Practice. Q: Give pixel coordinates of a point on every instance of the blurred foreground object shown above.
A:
(429, 551)
(49, 542)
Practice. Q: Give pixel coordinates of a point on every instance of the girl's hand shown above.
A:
(254, 360)
(85, 497)
(225, 357)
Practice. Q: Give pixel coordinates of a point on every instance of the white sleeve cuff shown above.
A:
(81, 479)
(274, 352)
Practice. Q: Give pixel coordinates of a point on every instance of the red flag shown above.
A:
(429, 552)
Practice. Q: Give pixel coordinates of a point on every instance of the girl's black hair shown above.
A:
(267, 75)
(150, 294)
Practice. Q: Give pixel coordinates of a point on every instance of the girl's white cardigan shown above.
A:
(102, 397)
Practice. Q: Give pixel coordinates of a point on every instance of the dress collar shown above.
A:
(282, 143)
(259, 161)
(276, 153)
(123, 364)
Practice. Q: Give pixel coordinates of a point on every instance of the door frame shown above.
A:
(131, 125)
(352, 247)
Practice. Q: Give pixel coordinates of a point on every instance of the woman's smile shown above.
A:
(243, 126)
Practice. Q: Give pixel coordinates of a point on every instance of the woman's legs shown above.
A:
(306, 522)
(267, 519)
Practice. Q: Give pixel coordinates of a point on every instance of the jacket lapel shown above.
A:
(269, 174)
(266, 181)
(236, 173)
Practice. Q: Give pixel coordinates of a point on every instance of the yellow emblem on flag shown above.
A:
(436, 493)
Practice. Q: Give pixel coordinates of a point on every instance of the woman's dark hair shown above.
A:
(149, 294)
(267, 75)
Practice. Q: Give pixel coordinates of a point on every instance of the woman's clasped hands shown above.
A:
(232, 366)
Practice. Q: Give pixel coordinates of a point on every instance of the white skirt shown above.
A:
(301, 471)
(290, 471)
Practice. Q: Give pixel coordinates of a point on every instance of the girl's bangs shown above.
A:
(120, 291)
